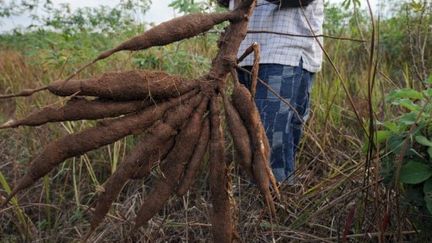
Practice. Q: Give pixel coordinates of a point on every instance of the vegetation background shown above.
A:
(365, 165)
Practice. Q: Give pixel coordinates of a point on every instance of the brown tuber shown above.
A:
(173, 167)
(193, 166)
(173, 117)
(221, 214)
(79, 108)
(126, 85)
(129, 85)
(153, 147)
(171, 31)
(92, 138)
(239, 135)
(263, 175)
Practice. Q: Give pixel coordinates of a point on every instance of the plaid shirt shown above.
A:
(284, 49)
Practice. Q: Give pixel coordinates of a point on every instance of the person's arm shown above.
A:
(291, 3)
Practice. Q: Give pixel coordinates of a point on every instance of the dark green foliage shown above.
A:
(407, 150)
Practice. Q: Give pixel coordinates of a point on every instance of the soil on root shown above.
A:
(149, 150)
(128, 85)
(221, 214)
(92, 138)
(248, 111)
(194, 165)
(79, 108)
(239, 135)
(152, 148)
(171, 31)
(173, 167)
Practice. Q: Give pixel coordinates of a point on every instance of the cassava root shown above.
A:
(92, 138)
(154, 146)
(221, 214)
(263, 175)
(178, 121)
(173, 167)
(193, 166)
(171, 31)
(79, 108)
(240, 136)
(129, 85)
(126, 85)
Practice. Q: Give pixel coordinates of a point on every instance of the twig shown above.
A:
(341, 38)
(306, 36)
(374, 234)
(23, 93)
(337, 73)
(372, 67)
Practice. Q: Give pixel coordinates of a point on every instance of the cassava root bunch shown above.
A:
(178, 121)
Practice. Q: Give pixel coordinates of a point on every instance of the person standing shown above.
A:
(290, 56)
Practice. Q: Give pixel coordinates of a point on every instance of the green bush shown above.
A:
(408, 145)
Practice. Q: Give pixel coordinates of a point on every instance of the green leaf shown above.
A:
(429, 80)
(428, 92)
(405, 93)
(395, 142)
(409, 118)
(430, 152)
(409, 104)
(427, 189)
(429, 204)
(415, 172)
(392, 126)
(382, 136)
(423, 141)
